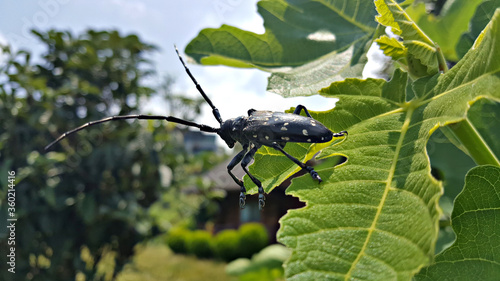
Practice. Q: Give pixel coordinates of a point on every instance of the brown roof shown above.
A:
(221, 177)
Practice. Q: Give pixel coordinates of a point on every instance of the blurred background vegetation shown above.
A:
(84, 205)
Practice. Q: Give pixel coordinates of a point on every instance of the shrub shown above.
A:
(226, 245)
(199, 244)
(253, 238)
(265, 265)
(177, 240)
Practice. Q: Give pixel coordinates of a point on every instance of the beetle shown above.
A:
(259, 128)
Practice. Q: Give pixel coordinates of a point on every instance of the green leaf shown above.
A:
(307, 79)
(296, 34)
(375, 217)
(422, 52)
(372, 203)
(446, 28)
(475, 146)
(474, 255)
(450, 165)
(450, 162)
(482, 16)
(392, 47)
(485, 114)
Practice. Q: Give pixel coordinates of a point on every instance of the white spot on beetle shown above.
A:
(267, 137)
(313, 123)
(255, 136)
(286, 124)
(308, 140)
(322, 138)
(283, 128)
(285, 138)
(305, 132)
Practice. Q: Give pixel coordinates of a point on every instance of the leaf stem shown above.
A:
(442, 66)
(478, 149)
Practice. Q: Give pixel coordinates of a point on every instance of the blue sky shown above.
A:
(162, 23)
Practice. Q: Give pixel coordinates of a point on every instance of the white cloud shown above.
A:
(131, 8)
(238, 13)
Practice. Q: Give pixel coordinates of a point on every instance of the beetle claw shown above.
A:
(314, 174)
(262, 201)
(242, 200)
(341, 134)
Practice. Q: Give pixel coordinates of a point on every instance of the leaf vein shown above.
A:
(386, 191)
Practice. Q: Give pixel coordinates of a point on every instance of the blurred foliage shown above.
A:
(253, 238)
(88, 199)
(265, 265)
(191, 208)
(226, 245)
(199, 244)
(176, 240)
(155, 262)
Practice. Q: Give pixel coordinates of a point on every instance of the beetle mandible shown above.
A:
(259, 128)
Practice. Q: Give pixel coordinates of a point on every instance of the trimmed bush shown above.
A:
(177, 240)
(226, 245)
(253, 238)
(199, 244)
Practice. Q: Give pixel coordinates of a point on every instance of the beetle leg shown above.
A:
(246, 160)
(237, 159)
(299, 108)
(311, 171)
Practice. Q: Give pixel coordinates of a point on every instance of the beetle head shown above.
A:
(231, 131)
(225, 132)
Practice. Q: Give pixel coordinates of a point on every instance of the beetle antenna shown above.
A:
(203, 128)
(215, 111)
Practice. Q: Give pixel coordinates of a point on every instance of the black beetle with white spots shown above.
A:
(259, 128)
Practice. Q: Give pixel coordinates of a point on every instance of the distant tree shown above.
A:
(87, 200)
